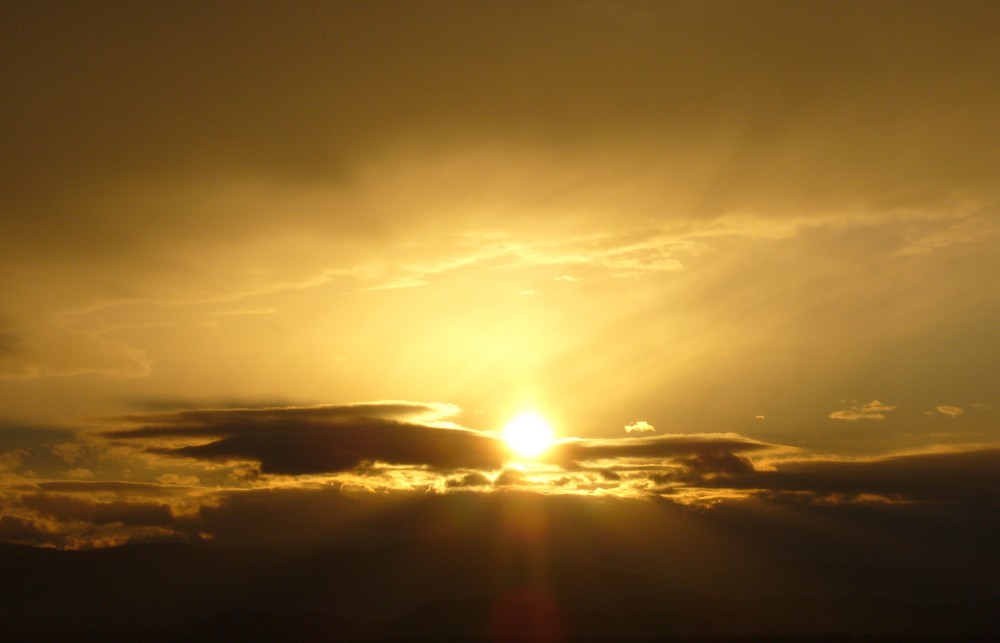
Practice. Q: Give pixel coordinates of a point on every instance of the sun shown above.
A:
(528, 434)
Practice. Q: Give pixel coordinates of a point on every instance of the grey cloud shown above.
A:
(472, 479)
(508, 477)
(17, 529)
(65, 508)
(967, 477)
(324, 439)
(23, 436)
(718, 463)
(708, 448)
(36, 448)
(608, 474)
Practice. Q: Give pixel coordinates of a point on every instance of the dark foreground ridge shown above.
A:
(424, 589)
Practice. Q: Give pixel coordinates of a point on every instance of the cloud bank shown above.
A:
(324, 439)
(229, 473)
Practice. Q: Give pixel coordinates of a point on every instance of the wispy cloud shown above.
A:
(966, 476)
(58, 353)
(950, 411)
(873, 410)
(963, 231)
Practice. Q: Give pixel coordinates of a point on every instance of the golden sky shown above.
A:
(726, 246)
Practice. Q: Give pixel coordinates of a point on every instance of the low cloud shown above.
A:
(968, 477)
(695, 455)
(873, 410)
(718, 463)
(509, 477)
(473, 479)
(65, 508)
(664, 446)
(21, 530)
(385, 455)
(950, 411)
(639, 427)
(177, 479)
(322, 439)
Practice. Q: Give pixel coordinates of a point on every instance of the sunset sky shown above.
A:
(733, 253)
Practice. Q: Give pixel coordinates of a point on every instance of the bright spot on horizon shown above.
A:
(528, 434)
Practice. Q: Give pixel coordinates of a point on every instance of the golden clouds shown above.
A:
(873, 410)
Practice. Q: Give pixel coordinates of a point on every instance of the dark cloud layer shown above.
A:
(703, 452)
(65, 508)
(472, 479)
(971, 477)
(324, 439)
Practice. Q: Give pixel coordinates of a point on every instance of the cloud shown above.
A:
(65, 508)
(509, 477)
(63, 354)
(873, 410)
(699, 451)
(608, 474)
(177, 479)
(116, 487)
(69, 452)
(639, 427)
(323, 439)
(950, 411)
(960, 232)
(18, 529)
(17, 436)
(718, 463)
(971, 477)
(11, 460)
(472, 479)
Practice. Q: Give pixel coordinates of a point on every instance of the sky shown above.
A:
(740, 256)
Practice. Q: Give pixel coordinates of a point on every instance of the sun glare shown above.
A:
(528, 435)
